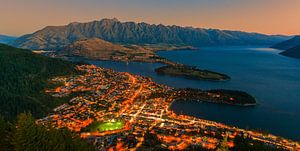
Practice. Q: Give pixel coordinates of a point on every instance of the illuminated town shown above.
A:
(120, 111)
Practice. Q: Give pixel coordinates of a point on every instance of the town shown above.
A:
(121, 111)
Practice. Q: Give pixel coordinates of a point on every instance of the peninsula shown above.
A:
(98, 49)
(222, 96)
(191, 73)
(291, 47)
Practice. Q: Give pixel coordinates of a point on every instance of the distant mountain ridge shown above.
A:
(291, 47)
(4, 39)
(292, 52)
(112, 30)
(288, 44)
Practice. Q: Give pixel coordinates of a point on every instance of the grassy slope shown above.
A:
(23, 78)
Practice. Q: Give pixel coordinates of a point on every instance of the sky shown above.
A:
(19, 17)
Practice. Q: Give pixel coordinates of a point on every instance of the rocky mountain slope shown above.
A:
(112, 30)
(96, 48)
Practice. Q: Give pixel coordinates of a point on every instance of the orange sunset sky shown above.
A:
(20, 17)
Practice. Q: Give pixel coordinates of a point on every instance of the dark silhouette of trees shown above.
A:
(23, 79)
(26, 135)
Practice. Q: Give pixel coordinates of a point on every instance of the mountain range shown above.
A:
(4, 39)
(291, 47)
(112, 30)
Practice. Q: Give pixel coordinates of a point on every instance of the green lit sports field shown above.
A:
(106, 126)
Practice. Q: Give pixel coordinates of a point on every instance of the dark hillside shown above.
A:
(23, 77)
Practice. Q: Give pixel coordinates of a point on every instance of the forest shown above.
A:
(23, 79)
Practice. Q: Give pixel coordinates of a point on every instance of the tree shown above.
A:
(24, 76)
(5, 131)
(223, 146)
(29, 136)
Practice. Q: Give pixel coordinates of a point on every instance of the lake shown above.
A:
(274, 80)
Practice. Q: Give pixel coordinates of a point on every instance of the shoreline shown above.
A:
(168, 64)
(159, 65)
(213, 102)
(177, 69)
(217, 96)
(190, 72)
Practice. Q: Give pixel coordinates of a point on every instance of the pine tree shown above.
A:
(29, 136)
(5, 131)
(223, 146)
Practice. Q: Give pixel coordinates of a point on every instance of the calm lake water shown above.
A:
(273, 79)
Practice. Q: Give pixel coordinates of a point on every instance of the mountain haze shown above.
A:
(6, 39)
(288, 44)
(291, 47)
(293, 52)
(112, 30)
